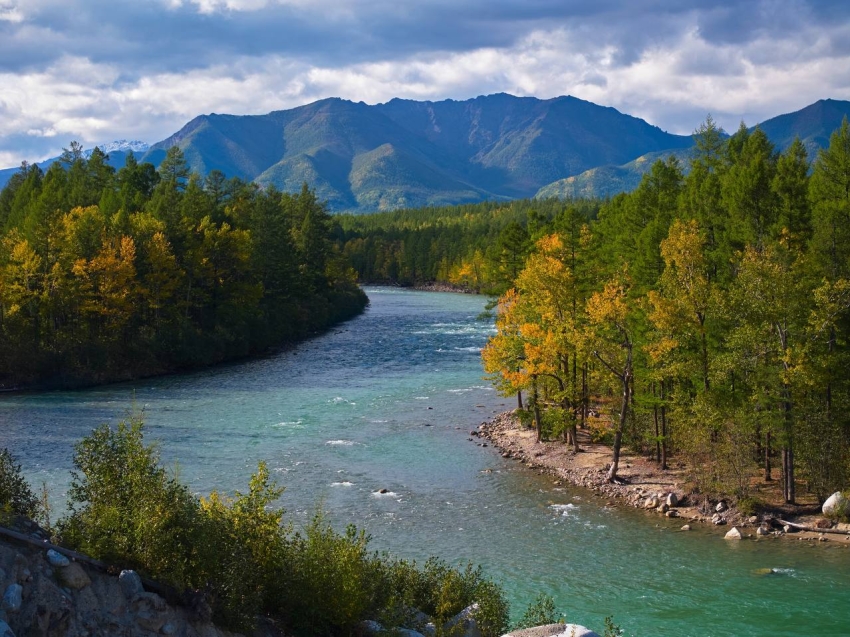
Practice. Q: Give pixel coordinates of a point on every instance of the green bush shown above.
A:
(242, 549)
(16, 496)
(329, 580)
(554, 421)
(493, 610)
(525, 417)
(125, 509)
(750, 505)
(540, 612)
(612, 629)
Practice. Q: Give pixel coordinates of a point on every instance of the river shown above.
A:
(386, 401)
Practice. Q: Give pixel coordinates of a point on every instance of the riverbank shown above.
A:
(643, 485)
(88, 378)
(437, 286)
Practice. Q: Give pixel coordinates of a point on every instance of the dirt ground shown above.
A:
(642, 484)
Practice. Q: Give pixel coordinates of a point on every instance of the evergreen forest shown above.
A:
(703, 315)
(477, 247)
(106, 274)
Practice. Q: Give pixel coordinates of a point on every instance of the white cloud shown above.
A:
(672, 84)
(10, 12)
(216, 6)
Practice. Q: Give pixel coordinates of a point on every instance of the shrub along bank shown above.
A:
(127, 510)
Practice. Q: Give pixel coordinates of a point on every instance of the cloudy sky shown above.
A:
(99, 70)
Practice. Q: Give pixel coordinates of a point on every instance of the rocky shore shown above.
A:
(50, 592)
(436, 286)
(644, 486)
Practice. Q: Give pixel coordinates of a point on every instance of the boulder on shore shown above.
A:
(57, 559)
(131, 584)
(74, 576)
(733, 534)
(836, 504)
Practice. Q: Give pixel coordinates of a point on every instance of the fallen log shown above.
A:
(813, 529)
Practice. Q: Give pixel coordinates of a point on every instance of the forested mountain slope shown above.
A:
(812, 124)
(407, 154)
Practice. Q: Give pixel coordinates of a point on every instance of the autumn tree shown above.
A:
(610, 338)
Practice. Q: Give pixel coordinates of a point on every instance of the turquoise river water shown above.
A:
(387, 401)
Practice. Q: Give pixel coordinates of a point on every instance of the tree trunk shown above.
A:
(657, 432)
(621, 425)
(536, 408)
(788, 486)
(519, 399)
(767, 476)
(663, 428)
(584, 398)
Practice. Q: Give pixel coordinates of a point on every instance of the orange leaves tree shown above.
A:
(535, 345)
(610, 336)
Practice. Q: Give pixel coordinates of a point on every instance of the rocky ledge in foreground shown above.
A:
(47, 594)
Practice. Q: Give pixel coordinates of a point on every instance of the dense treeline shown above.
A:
(107, 275)
(704, 315)
(479, 247)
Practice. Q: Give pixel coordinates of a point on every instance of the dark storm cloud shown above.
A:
(151, 37)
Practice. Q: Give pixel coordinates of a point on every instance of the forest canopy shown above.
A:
(109, 274)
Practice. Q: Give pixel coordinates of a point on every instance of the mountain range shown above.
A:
(407, 153)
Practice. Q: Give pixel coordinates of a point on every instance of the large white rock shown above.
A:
(554, 630)
(576, 630)
(733, 534)
(836, 504)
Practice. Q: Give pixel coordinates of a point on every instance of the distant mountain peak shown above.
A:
(120, 145)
